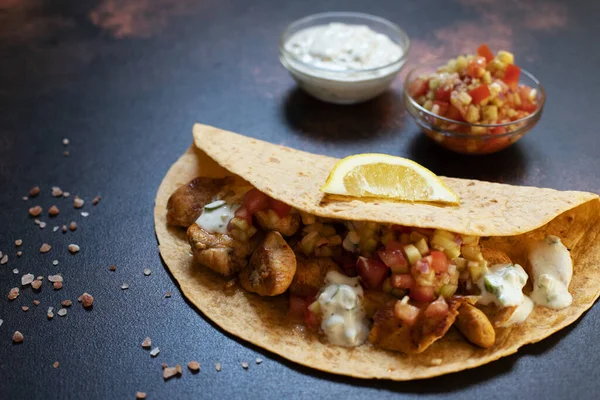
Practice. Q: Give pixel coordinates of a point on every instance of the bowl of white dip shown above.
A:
(343, 57)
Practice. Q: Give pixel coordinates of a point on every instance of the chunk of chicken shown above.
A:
(390, 333)
(271, 267)
(476, 327)
(310, 274)
(287, 225)
(220, 252)
(186, 203)
(374, 300)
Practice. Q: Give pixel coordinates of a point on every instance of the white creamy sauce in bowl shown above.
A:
(341, 47)
(344, 63)
(343, 318)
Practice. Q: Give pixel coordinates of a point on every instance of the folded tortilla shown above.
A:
(506, 217)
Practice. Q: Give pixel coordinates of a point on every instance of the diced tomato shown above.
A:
(373, 272)
(406, 313)
(437, 309)
(480, 93)
(402, 281)
(485, 52)
(243, 213)
(255, 200)
(297, 306)
(422, 293)
(348, 263)
(511, 75)
(393, 245)
(310, 319)
(476, 67)
(499, 130)
(279, 207)
(418, 87)
(443, 93)
(454, 113)
(439, 261)
(395, 260)
(443, 105)
(526, 103)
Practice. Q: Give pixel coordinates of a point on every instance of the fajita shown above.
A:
(371, 288)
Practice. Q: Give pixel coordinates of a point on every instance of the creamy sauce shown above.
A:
(342, 47)
(344, 320)
(551, 270)
(503, 285)
(216, 215)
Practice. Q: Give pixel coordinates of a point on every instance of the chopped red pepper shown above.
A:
(511, 76)
(418, 87)
(484, 51)
(480, 93)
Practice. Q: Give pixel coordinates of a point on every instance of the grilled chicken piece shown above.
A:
(220, 252)
(310, 274)
(374, 300)
(476, 327)
(186, 203)
(287, 225)
(271, 267)
(390, 333)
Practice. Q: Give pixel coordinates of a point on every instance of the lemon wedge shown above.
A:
(389, 177)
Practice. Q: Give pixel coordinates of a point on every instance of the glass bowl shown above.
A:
(347, 86)
(457, 136)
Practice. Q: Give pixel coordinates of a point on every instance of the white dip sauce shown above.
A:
(551, 270)
(216, 215)
(341, 47)
(503, 285)
(344, 320)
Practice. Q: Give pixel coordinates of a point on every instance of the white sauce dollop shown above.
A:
(503, 285)
(344, 320)
(216, 215)
(342, 47)
(552, 270)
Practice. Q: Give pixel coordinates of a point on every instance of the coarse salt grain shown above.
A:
(147, 271)
(25, 308)
(18, 242)
(45, 248)
(19, 253)
(15, 271)
(4, 259)
(42, 225)
(147, 343)
(66, 303)
(86, 300)
(62, 312)
(53, 211)
(55, 278)
(73, 226)
(78, 203)
(73, 248)
(26, 279)
(35, 211)
(55, 364)
(65, 141)
(57, 285)
(85, 214)
(56, 191)
(55, 262)
(125, 286)
(13, 293)
(259, 360)
(36, 284)
(169, 372)
(140, 395)
(244, 364)
(154, 352)
(194, 366)
(218, 367)
(34, 191)
(18, 337)
(55, 228)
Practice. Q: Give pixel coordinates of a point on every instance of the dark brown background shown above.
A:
(125, 80)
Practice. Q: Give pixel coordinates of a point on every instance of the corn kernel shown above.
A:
(472, 114)
(430, 95)
(506, 57)
(428, 105)
(478, 130)
(487, 77)
(490, 113)
(434, 83)
(461, 63)
(497, 102)
(464, 98)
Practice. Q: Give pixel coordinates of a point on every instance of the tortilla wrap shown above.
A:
(507, 217)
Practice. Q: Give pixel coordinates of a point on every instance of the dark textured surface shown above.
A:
(125, 80)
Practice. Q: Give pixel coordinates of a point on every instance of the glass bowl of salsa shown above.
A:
(475, 104)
